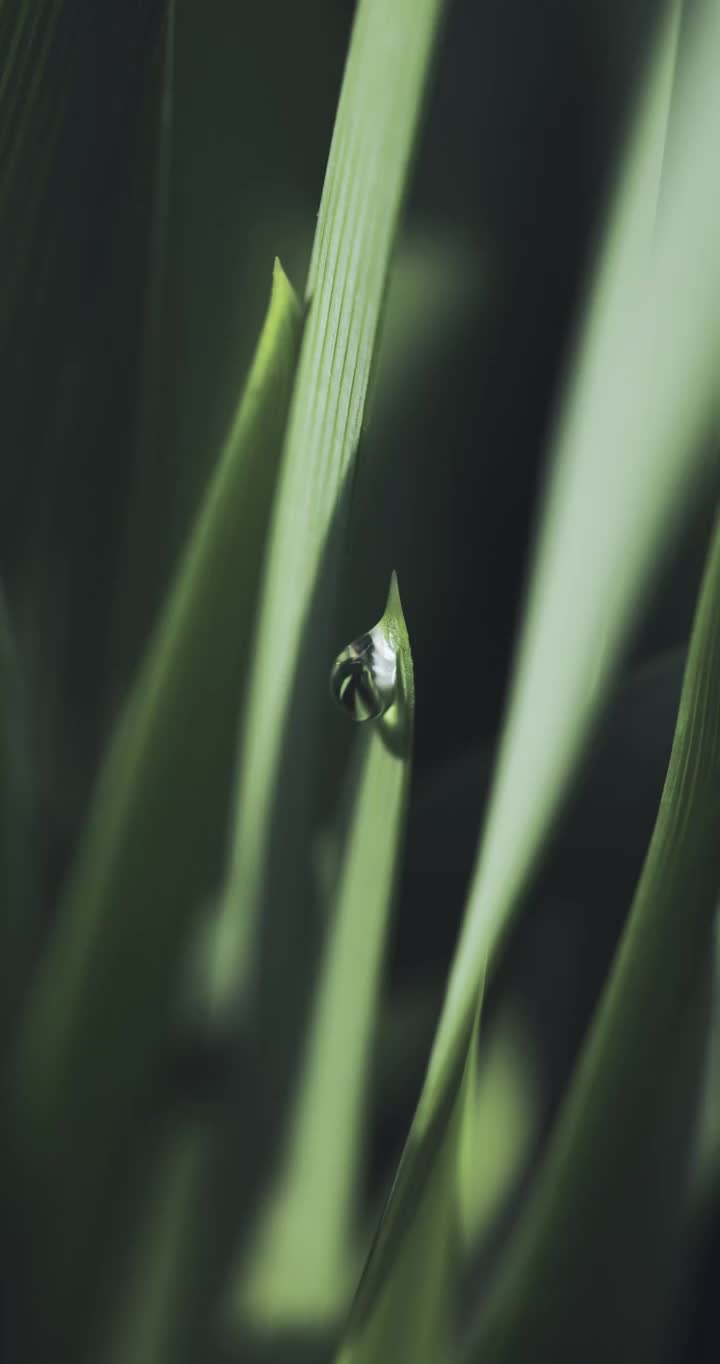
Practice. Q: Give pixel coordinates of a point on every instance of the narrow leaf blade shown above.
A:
(153, 843)
(367, 173)
(297, 1275)
(629, 460)
(615, 1182)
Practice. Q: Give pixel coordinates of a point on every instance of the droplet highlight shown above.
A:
(364, 675)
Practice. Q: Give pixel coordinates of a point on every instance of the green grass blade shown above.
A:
(152, 848)
(615, 1182)
(629, 458)
(367, 172)
(296, 1277)
(405, 1305)
(503, 1125)
(150, 1322)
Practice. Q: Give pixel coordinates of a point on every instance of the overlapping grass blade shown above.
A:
(405, 1305)
(503, 1125)
(296, 1277)
(152, 848)
(615, 1182)
(629, 459)
(372, 143)
(293, 1278)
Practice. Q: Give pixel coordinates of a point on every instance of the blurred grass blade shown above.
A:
(152, 847)
(405, 1307)
(615, 1183)
(629, 459)
(17, 857)
(367, 172)
(436, 292)
(29, 38)
(503, 1124)
(296, 1276)
(150, 1319)
(436, 286)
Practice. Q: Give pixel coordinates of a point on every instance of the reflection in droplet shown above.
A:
(364, 675)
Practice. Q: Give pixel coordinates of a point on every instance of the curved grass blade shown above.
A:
(295, 1279)
(152, 847)
(367, 172)
(591, 1257)
(293, 1282)
(504, 1125)
(629, 459)
(405, 1305)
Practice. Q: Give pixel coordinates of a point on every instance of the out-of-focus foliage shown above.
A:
(217, 1013)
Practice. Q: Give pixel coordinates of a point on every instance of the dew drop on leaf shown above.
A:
(363, 676)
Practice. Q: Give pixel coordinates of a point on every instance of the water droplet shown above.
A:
(363, 675)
